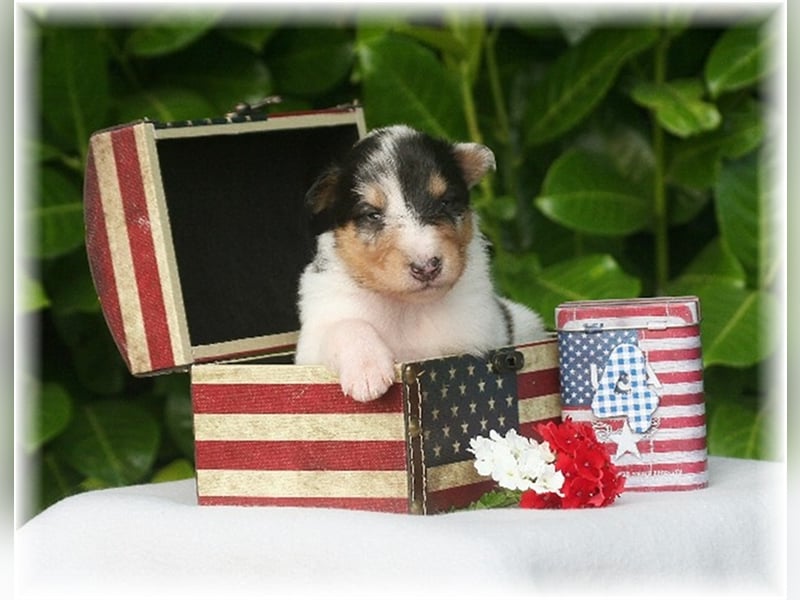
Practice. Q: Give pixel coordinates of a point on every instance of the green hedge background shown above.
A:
(635, 158)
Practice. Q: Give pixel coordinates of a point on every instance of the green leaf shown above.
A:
(498, 498)
(57, 221)
(470, 31)
(169, 32)
(437, 38)
(697, 162)
(45, 152)
(684, 204)
(738, 431)
(178, 414)
(582, 278)
(70, 284)
(165, 104)
(221, 73)
(371, 30)
(579, 79)
(584, 192)
(175, 471)
(498, 208)
(114, 441)
(678, 106)
(74, 85)
(50, 417)
(512, 272)
(626, 145)
(57, 480)
(588, 277)
(714, 263)
(94, 356)
(309, 61)
(404, 82)
(746, 216)
(695, 165)
(738, 59)
(743, 127)
(735, 327)
(253, 38)
(33, 295)
(725, 384)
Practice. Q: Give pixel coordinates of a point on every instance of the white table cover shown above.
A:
(154, 541)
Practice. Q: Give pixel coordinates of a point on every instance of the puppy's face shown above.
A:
(398, 207)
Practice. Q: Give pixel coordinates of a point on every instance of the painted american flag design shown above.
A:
(266, 435)
(277, 434)
(634, 369)
(466, 396)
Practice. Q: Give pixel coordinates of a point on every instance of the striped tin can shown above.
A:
(634, 369)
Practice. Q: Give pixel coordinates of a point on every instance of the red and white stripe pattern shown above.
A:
(287, 436)
(129, 248)
(672, 456)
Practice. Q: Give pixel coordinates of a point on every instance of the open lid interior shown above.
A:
(231, 225)
(239, 228)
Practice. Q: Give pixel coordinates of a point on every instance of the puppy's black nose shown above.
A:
(428, 271)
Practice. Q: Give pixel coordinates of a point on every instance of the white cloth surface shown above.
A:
(154, 541)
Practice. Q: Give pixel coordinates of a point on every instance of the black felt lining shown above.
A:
(239, 227)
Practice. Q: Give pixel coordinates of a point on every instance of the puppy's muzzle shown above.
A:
(427, 271)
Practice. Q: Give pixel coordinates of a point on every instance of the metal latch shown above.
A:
(508, 361)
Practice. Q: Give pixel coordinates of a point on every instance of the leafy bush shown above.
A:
(632, 161)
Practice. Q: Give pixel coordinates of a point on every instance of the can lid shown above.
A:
(657, 313)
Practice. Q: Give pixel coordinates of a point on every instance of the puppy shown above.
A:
(401, 270)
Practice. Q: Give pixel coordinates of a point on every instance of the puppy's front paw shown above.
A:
(366, 373)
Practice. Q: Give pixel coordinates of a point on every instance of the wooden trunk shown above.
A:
(196, 237)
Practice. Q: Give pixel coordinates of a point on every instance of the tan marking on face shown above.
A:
(380, 264)
(374, 195)
(455, 241)
(375, 262)
(437, 185)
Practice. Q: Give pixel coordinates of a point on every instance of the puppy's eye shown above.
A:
(366, 214)
(450, 202)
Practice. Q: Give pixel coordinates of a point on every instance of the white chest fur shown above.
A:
(355, 330)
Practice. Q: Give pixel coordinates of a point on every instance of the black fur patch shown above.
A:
(412, 159)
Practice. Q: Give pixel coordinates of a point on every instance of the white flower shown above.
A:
(547, 453)
(516, 444)
(549, 480)
(483, 449)
(516, 462)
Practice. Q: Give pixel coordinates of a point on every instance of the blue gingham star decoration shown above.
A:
(624, 388)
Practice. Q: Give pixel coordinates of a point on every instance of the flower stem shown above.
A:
(660, 220)
(503, 122)
(470, 113)
(475, 134)
(464, 71)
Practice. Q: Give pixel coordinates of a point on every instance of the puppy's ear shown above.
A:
(475, 161)
(322, 193)
(320, 199)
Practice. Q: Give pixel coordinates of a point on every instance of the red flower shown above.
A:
(590, 478)
(530, 499)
